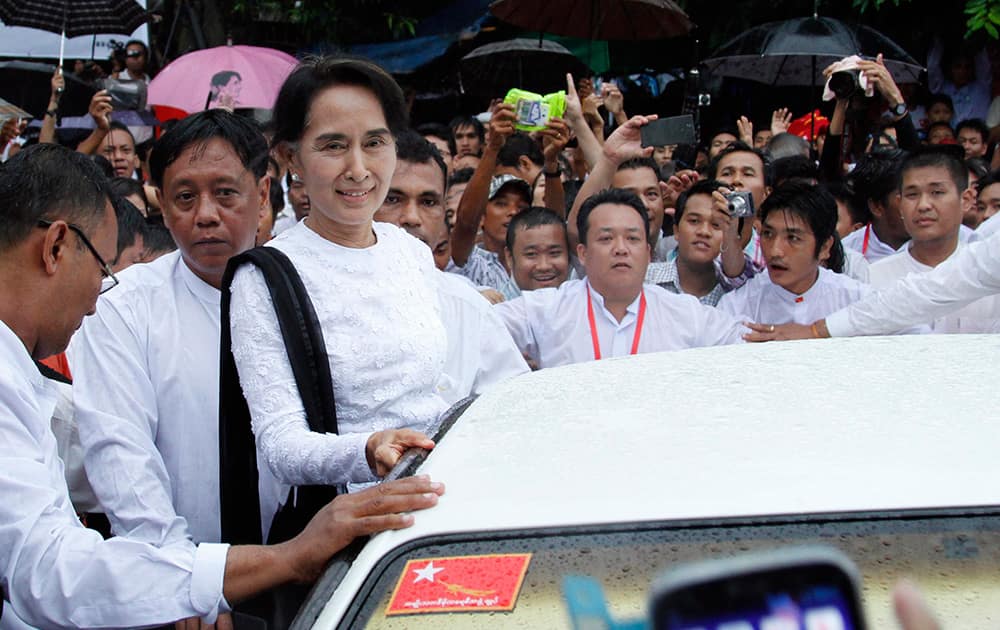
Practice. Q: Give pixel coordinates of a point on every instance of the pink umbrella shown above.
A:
(227, 76)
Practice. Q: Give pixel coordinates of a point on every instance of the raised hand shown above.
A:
(780, 120)
(501, 125)
(554, 139)
(100, 110)
(626, 141)
(614, 102)
(881, 80)
(746, 130)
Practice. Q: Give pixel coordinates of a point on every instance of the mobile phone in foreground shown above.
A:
(809, 588)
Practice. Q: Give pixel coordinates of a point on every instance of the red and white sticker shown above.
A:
(459, 583)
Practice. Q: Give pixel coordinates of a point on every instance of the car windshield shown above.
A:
(954, 558)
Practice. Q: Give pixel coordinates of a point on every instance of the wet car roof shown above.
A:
(799, 427)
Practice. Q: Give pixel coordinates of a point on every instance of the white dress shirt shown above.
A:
(147, 367)
(55, 572)
(552, 327)
(762, 301)
(970, 274)
(875, 250)
(855, 265)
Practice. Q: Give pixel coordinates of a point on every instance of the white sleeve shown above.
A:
(57, 574)
(993, 115)
(499, 357)
(717, 327)
(734, 304)
(920, 298)
(295, 454)
(117, 417)
(514, 315)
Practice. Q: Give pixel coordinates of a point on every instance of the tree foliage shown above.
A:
(982, 15)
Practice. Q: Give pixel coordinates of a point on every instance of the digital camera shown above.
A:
(740, 204)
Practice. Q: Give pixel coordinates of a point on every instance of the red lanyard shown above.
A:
(638, 325)
(868, 234)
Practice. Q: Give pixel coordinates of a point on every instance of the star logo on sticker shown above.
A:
(427, 573)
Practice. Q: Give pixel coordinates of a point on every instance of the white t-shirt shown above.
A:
(983, 315)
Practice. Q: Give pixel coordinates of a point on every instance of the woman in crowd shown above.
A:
(372, 286)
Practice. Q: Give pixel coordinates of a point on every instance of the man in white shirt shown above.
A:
(933, 192)
(146, 366)
(611, 313)
(798, 230)
(876, 184)
(53, 571)
(537, 249)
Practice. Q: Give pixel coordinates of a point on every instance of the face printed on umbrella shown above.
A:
(225, 90)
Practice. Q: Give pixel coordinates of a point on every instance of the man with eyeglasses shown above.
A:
(136, 58)
(57, 230)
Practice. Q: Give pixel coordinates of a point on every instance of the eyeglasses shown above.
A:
(109, 281)
(134, 53)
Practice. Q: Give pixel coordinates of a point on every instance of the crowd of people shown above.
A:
(430, 263)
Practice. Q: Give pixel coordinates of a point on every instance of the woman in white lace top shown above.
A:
(372, 287)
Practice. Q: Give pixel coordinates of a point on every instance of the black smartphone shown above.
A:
(810, 588)
(667, 131)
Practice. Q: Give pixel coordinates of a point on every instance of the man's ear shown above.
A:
(824, 252)
(264, 190)
(876, 208)
(581, 253)
(524, 164)
(508, 257)
(969, 198)
(54, 247)
(167, 215)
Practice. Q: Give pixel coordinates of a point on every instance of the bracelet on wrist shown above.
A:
(553, 174)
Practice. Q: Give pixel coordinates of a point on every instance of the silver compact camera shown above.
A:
(740, 204)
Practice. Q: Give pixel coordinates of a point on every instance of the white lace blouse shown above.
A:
(386, 343)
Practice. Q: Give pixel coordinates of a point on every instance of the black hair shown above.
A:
(986, 181)
(875, 176)
(619, 196)
(277, 197)
(125, 186)
(119, 126)
(532, 217)
(103, 164)
(931, 158)
(137, 42)
(978, 167)
(131, 224)
(242, 135)
(466, 121)
(316, 74)
(843, 192)
(939, 124)
(729, 129)
(221, 79)
(414, 148)
(794, 167)
(461, 176)
(48, 181)
(159, 240)
(438, 131)
(977, 125)
(742, 147)
(940, 98)
(637, 163)
(702, 187)
(816, 207)
(519, 144)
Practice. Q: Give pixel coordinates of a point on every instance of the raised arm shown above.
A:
(47, 135)
(554, 139)
(100, 111)
(587, 142)
(473, 202)
(624, 143)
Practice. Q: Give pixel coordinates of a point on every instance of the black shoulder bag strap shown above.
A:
(303, 338)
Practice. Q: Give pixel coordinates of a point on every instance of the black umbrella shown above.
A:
(596, 19)
(530, 64)
(73, 18)
(795, 52)
(27, 85)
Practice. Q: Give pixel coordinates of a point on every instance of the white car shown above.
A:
(886, 448)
